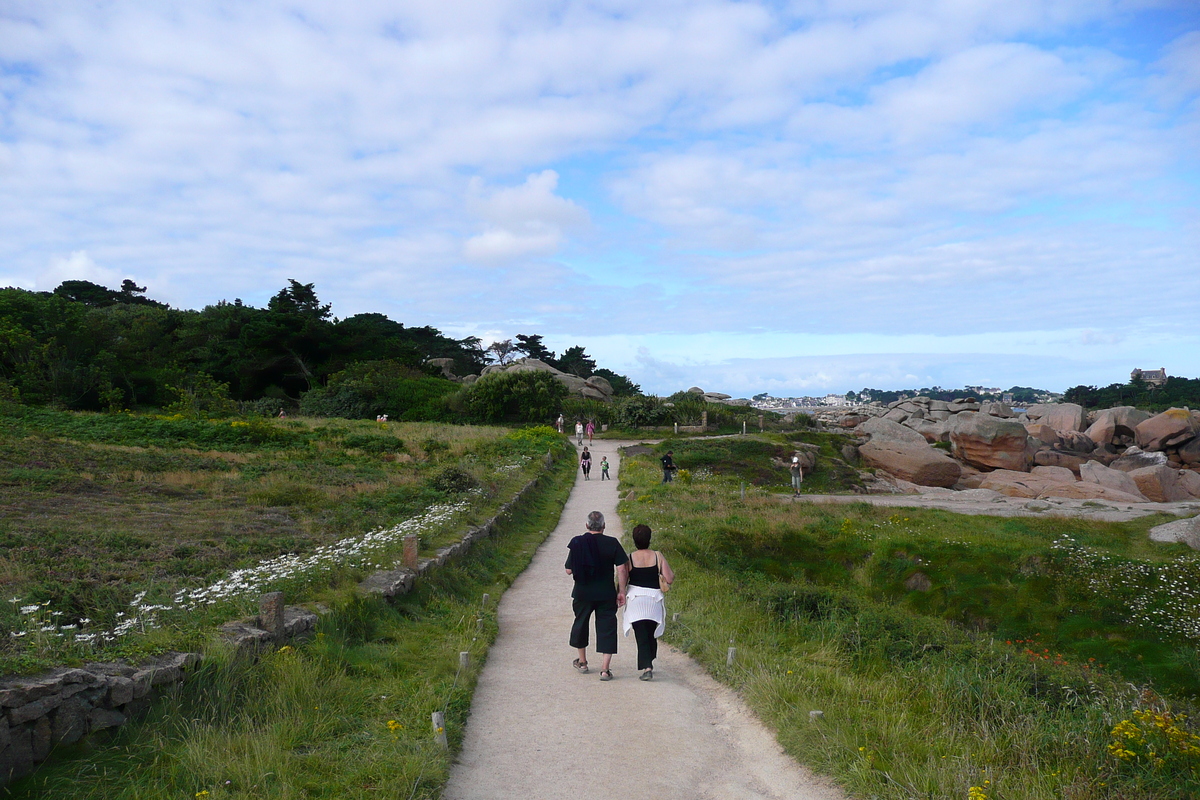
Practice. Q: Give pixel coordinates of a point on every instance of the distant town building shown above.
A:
(1154, 377)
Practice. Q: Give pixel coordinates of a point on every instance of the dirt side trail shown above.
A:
(539, 730)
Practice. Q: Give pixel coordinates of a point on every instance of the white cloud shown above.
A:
(525, 220)
(78, 266)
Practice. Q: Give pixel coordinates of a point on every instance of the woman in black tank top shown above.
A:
(647, 611)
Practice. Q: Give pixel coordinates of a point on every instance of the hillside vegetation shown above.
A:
(1011, 658)
(117, 524)
(343, 715)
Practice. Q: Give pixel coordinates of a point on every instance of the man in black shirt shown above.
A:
(668, 464)
(592, 560)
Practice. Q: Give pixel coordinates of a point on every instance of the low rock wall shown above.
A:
(62, 706)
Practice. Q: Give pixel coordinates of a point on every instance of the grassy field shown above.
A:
(952, 656)
(344, 715)
(125, 523)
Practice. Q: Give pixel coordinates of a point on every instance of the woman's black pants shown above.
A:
(643, 632)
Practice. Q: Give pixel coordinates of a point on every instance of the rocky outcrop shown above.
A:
(1094, 472)
(1061, 417)
(1112, 424)
(1046, 441)
(1056, 474)
(1081, 490)
(1190, 481)
(1160, 484)
(593, 388)
(1134, 458)
(1016, 483)
(911, 461)
(1170, 428)
(985, 441)
(1181, 531)
(886, 430)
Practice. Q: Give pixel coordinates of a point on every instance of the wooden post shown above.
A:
(479, 624)
(464, 660)
(760, 423)
(439, 730)
(487, 598)
(743, 490)
(743, 427)
(704, 420)
(729, 656)
(675, 617)
(412, 545)
(677, 428)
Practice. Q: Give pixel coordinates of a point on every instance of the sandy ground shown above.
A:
(539, 730)
(986, 501)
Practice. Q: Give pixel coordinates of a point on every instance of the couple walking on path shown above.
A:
(539, 731)
(594, 560)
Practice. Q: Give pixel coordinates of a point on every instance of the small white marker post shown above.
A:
(729, 656)
(487, 598)
(479, 624)
(464, 660)
(439, 730)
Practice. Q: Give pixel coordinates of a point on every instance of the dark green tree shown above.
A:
(532, 346)
(622, 386)
(575, 361)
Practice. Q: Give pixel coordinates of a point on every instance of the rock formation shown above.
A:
(1049, 450)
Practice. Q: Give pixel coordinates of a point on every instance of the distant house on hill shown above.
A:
(1154, 377)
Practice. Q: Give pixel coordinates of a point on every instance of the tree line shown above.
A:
(84, 346)
(1175, 392)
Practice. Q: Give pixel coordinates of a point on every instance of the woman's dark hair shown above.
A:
(641, 536)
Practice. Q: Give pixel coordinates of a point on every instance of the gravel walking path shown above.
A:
(539, 730)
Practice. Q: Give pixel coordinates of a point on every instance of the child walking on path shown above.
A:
(604, 468)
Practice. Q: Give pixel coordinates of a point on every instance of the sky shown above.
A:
(786, 197)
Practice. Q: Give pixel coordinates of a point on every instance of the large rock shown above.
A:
(1059, 474)
(1077, 442)
(1113, 422)
(1059, 416)
(1097, 473)
(1190, 452)
(996, 409)
(1172, 427)
(911, 461)
(1190, 481)
(985, 441)
(1043, 433)
(1181, 531)
(1160, 484)
(603, 386)
(1136, 459)
(1057, 458)
(1081, 490)
(883, 429)
(1016, 484)
(931, 430)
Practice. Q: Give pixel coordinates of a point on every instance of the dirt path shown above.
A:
(540, 731)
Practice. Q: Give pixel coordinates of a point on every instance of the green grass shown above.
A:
(898, 626)
(95, 508)
(313, 721)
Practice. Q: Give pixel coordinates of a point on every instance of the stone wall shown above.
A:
(62, 706)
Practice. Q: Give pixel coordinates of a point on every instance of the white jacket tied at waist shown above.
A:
(643, 603)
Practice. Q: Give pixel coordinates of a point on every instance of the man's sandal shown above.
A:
(606, 674)
(579, 665)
